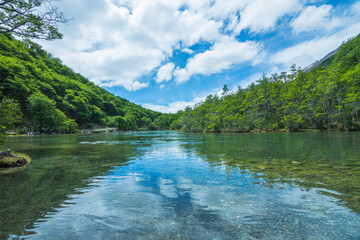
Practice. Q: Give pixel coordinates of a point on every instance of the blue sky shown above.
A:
(166, 54)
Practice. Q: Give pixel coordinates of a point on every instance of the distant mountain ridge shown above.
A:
(319, 62)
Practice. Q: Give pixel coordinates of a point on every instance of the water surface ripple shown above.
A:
(173, 185)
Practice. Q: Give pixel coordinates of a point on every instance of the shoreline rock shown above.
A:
(81, 131)
(9, 159)
(99, 130)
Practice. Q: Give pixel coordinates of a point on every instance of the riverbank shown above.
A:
(82, 131)
(282, 130)
(9, 159)
(109, 130)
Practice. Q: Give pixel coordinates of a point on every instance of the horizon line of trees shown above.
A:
(328, 96)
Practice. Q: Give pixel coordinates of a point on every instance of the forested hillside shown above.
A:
(54, 98)
(326, 97)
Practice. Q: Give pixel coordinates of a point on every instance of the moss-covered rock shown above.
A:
(10, 159)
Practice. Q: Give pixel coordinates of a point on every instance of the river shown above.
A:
(175, 185)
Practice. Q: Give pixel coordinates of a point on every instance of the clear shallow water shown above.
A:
(173, 185)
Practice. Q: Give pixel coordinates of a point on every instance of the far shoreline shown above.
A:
(113, 130)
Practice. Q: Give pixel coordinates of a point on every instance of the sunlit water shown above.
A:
(173, 185)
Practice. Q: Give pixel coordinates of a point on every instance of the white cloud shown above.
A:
(187, 50)
(171, 107)
(305, 53)
(174, 107)
(181, 75)
(356, 8)
(138, 85)
(226, 8)
(117, 42)
(165, 72)
(122, 42)
(261, 15)
(222, 55)
(248, 81)
(315, 18)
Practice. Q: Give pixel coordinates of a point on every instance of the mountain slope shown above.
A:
(321, 61)
(51, 94)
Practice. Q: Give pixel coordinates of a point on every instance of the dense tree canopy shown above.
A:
(46, 116)
(30, 19)
(326, 97)
(10, 114)
(53, 98)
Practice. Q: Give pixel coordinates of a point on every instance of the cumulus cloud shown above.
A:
(314, 18)
(117, 42)
(124, 42)
(187, 50)
(307, 52)
(181, 75)
(165, 72)
(222, 55)
(174, 107)
(259, 15)
(248, 81)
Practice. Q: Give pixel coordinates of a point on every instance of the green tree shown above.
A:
(326, 97)
(121, 123)
(31, 19)
(10, 115)
(225, 90)
(25, 69)
(47, 117)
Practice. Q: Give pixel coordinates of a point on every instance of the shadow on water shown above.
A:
(329, 162)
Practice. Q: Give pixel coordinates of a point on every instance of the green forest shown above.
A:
(326, 97)
(40, 94)
(43, 95)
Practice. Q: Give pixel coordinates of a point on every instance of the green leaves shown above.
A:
(35, 78)
(30, 19)
(47, 117)
(10, 115)
(326, 97)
